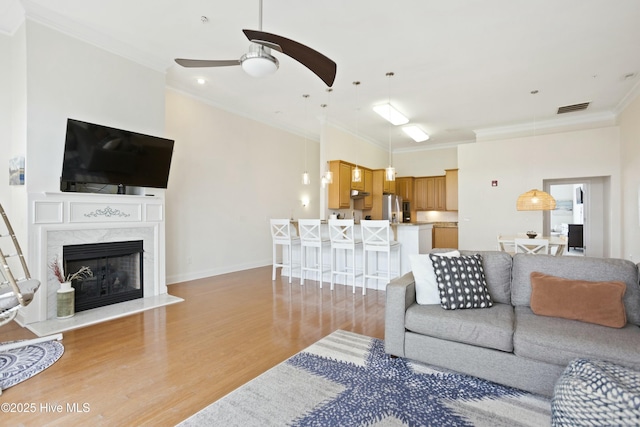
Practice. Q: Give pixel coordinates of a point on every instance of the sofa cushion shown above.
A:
(426, 284)
(490, 328)
(497, 272)
(577, 268)
(558, 341)
(592, 302)
(461, 282)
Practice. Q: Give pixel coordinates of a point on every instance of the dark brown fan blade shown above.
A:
(192, 63)
(322, 66)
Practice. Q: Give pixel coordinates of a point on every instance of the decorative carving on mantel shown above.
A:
(107, 212)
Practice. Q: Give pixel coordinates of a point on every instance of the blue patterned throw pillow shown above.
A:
(461, 282)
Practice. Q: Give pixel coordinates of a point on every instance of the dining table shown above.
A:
(555, 241)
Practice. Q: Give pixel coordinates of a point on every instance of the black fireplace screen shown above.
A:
(117, 272)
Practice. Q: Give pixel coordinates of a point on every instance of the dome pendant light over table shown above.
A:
(535, 200)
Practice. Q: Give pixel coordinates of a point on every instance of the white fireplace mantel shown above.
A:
(59, 219)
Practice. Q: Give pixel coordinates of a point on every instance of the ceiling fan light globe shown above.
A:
(259, 64)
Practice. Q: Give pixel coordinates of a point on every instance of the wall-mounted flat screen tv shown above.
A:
(96, 154)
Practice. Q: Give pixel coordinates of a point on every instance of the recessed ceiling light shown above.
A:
(200, 81)
(391, 114)
(417, 134)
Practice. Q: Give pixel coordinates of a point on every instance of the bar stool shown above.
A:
(311, 237)
(281, 235)
(342, 235)
(376, 238)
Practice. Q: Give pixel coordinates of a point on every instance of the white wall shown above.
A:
(425, 163)
(521, 164)
(342, 145)
(66, 78)
(14, 124)
(5, 116)
(229, 176)
(53, 76)
(629, 122)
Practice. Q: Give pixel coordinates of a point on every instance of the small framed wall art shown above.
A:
(16, 170)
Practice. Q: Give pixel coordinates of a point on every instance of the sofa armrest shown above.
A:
(401, 293)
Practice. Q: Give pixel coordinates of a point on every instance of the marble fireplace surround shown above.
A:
(59, 219)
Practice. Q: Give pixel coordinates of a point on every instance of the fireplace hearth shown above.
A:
(117, 272)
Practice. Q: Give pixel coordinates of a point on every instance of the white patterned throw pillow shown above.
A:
(426, 285)
(461, 282)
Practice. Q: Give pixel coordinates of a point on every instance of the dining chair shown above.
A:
(281, 235)
(506, 244)
(376, 238)
(342, 235)
(311, 238)
(532, 246)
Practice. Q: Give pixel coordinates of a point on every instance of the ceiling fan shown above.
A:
(259, 62)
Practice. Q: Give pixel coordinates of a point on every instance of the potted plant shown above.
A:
(66, 293)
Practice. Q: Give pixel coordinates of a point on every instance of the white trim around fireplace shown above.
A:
(58, 219)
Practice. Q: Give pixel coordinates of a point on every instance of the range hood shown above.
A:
(357, 194)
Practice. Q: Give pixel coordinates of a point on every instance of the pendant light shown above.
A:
(305, 176)
(535, 200)
(356, 173)
(390, 171)
(327, 177)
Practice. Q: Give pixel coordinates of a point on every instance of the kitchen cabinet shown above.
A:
(419, 195)
(429, 193)
(440, 194)
(377, 188)
(451, 187)
(340, 190)
(404, 188)
(366, 202)
(445, 237)
(389, 186)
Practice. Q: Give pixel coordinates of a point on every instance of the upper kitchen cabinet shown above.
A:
(440, 195)
(451, 178)
(429, 193)
(389, 186)
(340, 190)
(404, 188)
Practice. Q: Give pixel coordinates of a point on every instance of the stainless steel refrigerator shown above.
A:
(392, 208)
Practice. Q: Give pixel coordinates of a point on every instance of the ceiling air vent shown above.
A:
(572, 108)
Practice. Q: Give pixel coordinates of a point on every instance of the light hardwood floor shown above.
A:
(158, 367)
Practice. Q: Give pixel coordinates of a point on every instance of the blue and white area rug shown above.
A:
(346, 379)
(22, 363)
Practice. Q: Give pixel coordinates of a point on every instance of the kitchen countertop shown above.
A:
(435, 224)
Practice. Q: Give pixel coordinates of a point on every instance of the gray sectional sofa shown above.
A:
(508, 343)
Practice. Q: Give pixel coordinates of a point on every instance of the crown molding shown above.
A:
(11, 16)
(628, 98)
(267, 121)
(65, 25)
(431, 147)
(577, 122)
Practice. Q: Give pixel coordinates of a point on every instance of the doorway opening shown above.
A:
(580, 214)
